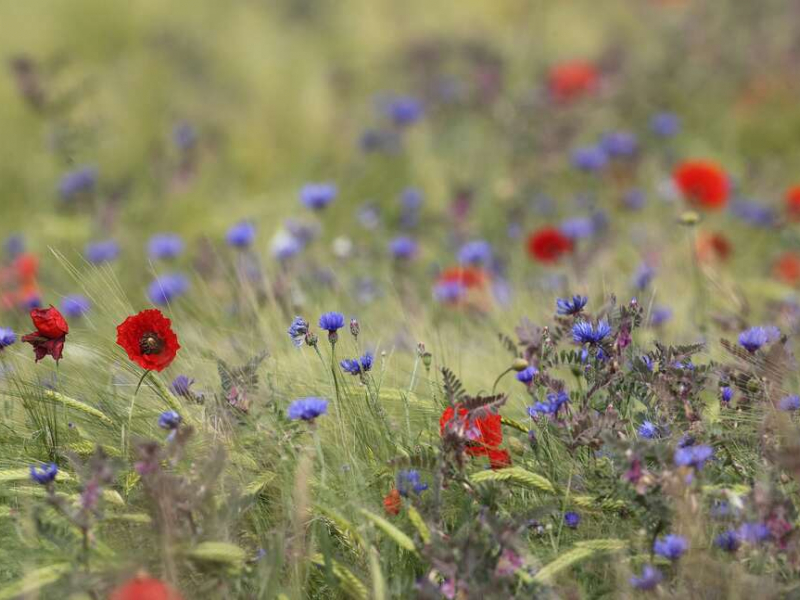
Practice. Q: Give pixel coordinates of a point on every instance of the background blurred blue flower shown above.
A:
(75, 306)
(317, 196)
(241, 235)
(165, 245)
(166, 288)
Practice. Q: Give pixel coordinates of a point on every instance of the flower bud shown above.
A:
(355, 328)
(519, 364)
(427, 359)
(311, 338)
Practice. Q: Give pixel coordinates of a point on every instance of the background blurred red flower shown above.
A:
(792, 200)
(51, 332)
(145, 588)
(787, 268)
(570, 80)
(703, 184)
(548, 244)
(713, 246)
(148, 339)
(392, 502)
(469, 277)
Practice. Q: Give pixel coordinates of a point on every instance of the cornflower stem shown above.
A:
(337, 391)
(499, 377)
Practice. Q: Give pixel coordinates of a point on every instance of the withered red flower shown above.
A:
(51, 332)
(484, 432)
(548, 244)
(148, 339)
(145, 588)
(570, 80)
(392, 502)
(703, 184)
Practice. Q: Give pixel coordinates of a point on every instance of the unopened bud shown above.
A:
(355, 328)
(519, 364)
(689, 218)
(427, 359)
(311, 338)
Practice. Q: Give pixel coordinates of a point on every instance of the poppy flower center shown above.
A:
(151, 343)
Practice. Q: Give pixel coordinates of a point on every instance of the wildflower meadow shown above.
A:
(380, 300)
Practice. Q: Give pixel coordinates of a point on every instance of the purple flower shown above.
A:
(647, 430)
(665, 124)
(789, 403)
(634, 199)
(571, 307)
(77, 182)
(14, 245)
(75, 306)
(164, 246)
(648, 580)
(728, 541)
(184, 136)
(298, 330)
(643, 276)
(693, 456)
(572, 519)
(331, 321)
(307, 409)
(403, 110)
(589, 159)
(285, 245)
(100, 252)
(726, 394)
(45, 475)
(551, 406)
(403, 248)
(169, 420)
(317, 196)
(584, 333)
(411, 198)
(7, 337)
(660, 315)
(410, 481)
(166, 288)
(478, 252)
(449, 291)
(671, 546)
(752, 339)
(577, 227)
(527, 375)
(753, 533)
(181, 385)
(619, 144)
(754, 213)
(241, 235)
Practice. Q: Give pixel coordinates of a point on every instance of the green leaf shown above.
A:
(400, 538)
(35, 580)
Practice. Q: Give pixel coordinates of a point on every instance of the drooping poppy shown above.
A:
(148, 339)
(548, 244)
(571, 80)
(145, 588)
(703, 183)
(392, 502)
(51, 332)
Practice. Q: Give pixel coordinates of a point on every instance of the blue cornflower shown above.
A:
(298, 330)
(671, 546)
(403, 110)
(166, 288)
(102, 251)
(79, 181)
(648, 430)
(752, 339)
(410, 481)
(45, 475)
(286, 245)
(571, 307)
(317, 196)
(619, 144)
(693, 456)
(577, 228)
(643, 276)
(350, 365)
(369, 215)
(753, 533)
(241, 235)
(648, 362)
(477, 252)
(366, 361)
(665, 124)
(411, 198)
(634, 199)
(75, 306)
(584, 333)
(403, 248)
(754, 213)
(449, 291)
(726, 394)
(14, 245)
(527, 375)
(659, 315)
(550, 406)
(728, 541)
(165, 245)
(648, 580)
(331, 321)
(789, 403)
(572, 519)
(374, 140)
(169, 419)
(184, 135)
(589, 159)
(307, 409)
(7, 337)
(181, 385)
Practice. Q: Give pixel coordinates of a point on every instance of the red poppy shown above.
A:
(469, 277)
(484, 433)
(148, 339)
(145, 588)
(51, 332)
(793, 203)
(570, 80)
(548, 244)
(392, 502)
(787, 268)
(499, 459)
(703, 184)
(713, 246)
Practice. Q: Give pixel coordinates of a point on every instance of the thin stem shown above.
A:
(499, 377)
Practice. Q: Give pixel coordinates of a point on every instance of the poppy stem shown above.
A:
(499, 377)
(133, 400)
